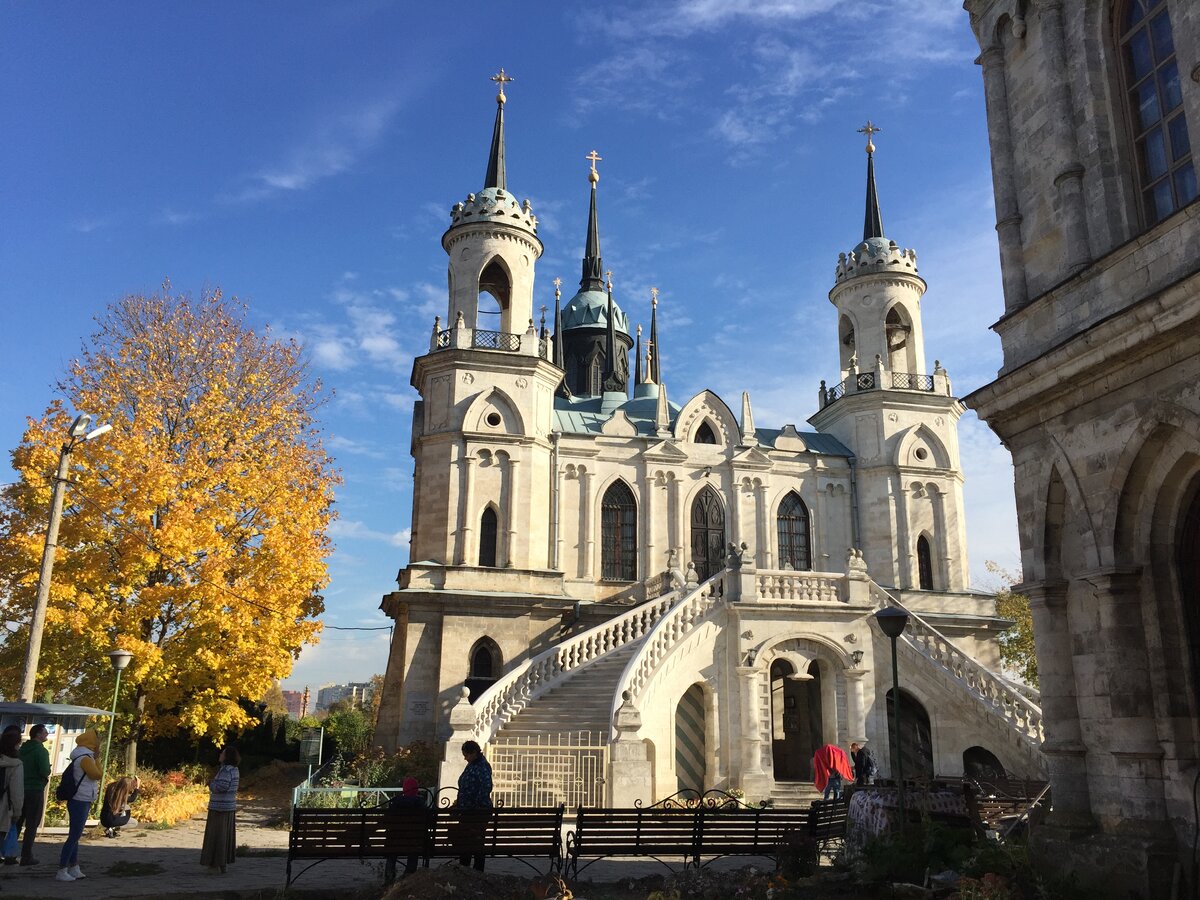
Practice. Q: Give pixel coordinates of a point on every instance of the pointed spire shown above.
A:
(610, 338)
(496, 176)
(637, 360)
(747, 423)
(662, 413)
(873, 220)
(655, 374)
(592, 265)
(558, 337)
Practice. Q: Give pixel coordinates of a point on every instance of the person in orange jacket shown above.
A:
(85, 775)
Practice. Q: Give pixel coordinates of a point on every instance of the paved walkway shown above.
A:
(173, 856)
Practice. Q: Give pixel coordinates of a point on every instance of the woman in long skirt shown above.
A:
(220, 831)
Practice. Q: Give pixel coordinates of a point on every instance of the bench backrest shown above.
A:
(502, 831)
(359, 832)
(723, 831)
(827, 818)
(603, 832)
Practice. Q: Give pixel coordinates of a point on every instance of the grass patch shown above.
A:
(127, 869)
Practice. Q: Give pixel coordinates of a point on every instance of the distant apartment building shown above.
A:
(294, 700)
(356, 691)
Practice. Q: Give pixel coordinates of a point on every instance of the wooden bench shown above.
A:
(827, 823)
(688, 834)
(321, 834)
(1001, 806)
(520, 833)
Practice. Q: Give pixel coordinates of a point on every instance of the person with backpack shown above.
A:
(78, 788)
(36, 760)
(12, 780)
(864, 764)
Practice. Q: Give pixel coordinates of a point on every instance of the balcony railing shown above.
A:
(867, 381)
(495, 340)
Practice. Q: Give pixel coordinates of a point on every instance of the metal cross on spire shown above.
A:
(870, 129)
(608, 275)
(654, 296)
(593, 157)
(557, 287)
(501, 80)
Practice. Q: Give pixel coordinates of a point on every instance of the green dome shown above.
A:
(589, 309)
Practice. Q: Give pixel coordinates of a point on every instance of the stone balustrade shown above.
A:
(670, 629)
(792, 586)
(532, 678)
(1005, 700)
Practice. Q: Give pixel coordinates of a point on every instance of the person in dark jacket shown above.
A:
(410, 798)
(35, 760)
(119, 797)
(474, 793)
(864, 764)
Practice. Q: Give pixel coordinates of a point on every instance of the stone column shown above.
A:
(513, 505)
(754, 781)
(903, 535)
(816, 533)
(631, 774)
(941, 540)
(1069, 181)
(764, 527)
(586, 541)
(1122, 679)
(1008, 212)
(681, 534)
(466, 531)
(856, 710)
(462, 729)
(1063, 747)
(648, 562)
(735, 510)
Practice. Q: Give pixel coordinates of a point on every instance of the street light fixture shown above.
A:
(79, 433)
(119, 659)
(892, 621)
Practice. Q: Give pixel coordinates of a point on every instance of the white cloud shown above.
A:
(333, 147)
(357, 448)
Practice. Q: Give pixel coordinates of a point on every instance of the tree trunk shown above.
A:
(135, 731)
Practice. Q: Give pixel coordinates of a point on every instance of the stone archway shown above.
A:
(916, 737)
(797, 719)
(690, 748)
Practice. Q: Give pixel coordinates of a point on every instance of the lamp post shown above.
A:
(892, 621)
(119, 659)
(78, 433)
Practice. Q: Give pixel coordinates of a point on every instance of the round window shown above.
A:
(922, 454)
(493, 419)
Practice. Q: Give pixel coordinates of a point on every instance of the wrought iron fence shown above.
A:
(443, 339)
(907, 381)
(354, 797)
(835, 393)
(549, 769)
(865, 381)
(544, 348)
(495, 340)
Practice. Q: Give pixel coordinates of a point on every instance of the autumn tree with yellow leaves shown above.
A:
(195, 532)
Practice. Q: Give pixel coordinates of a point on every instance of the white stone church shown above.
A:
(622, 596)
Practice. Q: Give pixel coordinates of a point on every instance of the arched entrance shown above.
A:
(916, 738)
(708, 534)
(796, 720)
(981, 764)
(689, 740)
(1187, 559)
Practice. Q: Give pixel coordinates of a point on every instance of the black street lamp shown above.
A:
(892, 621)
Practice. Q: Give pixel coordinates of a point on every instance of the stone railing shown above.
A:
(517, 689)
(796, 586)
(668, 631)
(1001, 698)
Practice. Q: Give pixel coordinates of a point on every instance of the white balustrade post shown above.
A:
(631, 773)
(462, 729)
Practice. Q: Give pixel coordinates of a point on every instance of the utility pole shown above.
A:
(79, 433)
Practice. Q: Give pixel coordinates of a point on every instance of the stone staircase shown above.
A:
(794, 794)
(581, 703)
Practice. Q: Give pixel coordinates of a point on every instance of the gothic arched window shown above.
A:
(488, 533)
(924, 564)
(618, 534)
(486, 664)
(595, 376)
(794, 535)
(1166, 175)
(495, 291)
(705, 434)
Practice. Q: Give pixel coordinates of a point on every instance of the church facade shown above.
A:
(1093, 113)
(673, 584)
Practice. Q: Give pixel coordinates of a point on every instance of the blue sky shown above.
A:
(304, 157)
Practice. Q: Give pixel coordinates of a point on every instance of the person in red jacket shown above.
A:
(831, 768)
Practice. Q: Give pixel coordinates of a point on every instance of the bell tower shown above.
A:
(899, 418)
(481, 429)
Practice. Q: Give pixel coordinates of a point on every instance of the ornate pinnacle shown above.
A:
(501, 79)
(654, 297)
(557, 288)
(594, 157)
(869, 130)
